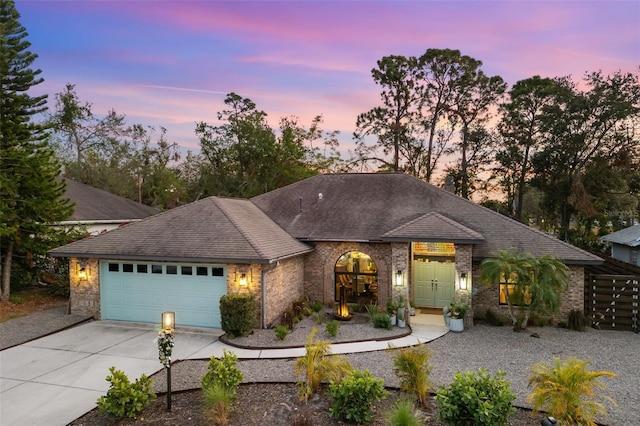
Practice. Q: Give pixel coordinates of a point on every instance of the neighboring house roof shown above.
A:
(385, 206)
(210, 230)
(627, 237)
(93, 205)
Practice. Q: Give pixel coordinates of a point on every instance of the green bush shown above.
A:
(476, 399)
(318, 317)
(382, 321)
(223, 371)
(372, 309)
(332, 328)
(354, 396)
(282, 331)
(217, 402)
(413, 368)
(125, 399)
(403, 413)
(317, 306)
(493, 318)
(237, 313)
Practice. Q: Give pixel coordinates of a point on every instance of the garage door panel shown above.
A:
(142, 297)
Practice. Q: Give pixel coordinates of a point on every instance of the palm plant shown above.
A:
(217, 401)
(567, 391)
(317, 366)
(534, 284)
(403, 414)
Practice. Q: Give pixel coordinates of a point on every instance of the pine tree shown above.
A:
(30, 197)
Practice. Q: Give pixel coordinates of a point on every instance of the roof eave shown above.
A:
(432, 240)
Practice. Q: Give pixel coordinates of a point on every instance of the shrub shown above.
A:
(315, 366)
(318, 317)
(412, 367)
(354, 396)
(317, 306)
(477, 399)
(301, 308)
(125, 399)
(494, 319)
(403, 413)
(332, 328)
(223, 371)
(577, 321)
(382, 321)
(372, 309)
(237, 313)
(217, 401)
(282, 331)
(567, 390)
(289, 318)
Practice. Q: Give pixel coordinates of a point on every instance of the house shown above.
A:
(361, 238)
(625, 244)
(101, 211)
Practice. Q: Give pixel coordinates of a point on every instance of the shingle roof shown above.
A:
(433, 227)
(366, 207)
(211, 230)
(628, 236)
(95, 204)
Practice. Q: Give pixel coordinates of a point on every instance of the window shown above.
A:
(127, 267)
(186, 270)
(156, 269)
(517, 297)
(142, 269)
(114, 267)
(172, 269)
(217, 272)
(202, 270)
(356, 275)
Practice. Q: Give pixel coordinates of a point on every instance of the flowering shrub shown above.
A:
(165, 347)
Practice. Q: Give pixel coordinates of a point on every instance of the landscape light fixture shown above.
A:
(168, 321)
(168, 325)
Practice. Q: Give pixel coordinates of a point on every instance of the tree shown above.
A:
(521, 129)
(533, 284)
(31, 196)
(579, 127)
(394, 122)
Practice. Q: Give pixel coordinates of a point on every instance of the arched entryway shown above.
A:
(357, 273)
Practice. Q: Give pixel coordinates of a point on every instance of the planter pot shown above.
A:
(393, 319)
(456, 324)
(445, 311)
(401, 323)
(412, 312)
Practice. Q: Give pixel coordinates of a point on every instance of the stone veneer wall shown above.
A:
(464, 265)
(84, 295)
(319, 267)
(488, 297)
(282, 281)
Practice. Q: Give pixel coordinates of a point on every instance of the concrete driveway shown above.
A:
(56, 379)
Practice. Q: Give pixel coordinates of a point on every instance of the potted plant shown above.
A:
(456, 313)
(401, 319)
(412, 310)
(391, 311)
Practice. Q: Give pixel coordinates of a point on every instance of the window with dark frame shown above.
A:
(509, 287)
(172, 270)
(142, 268)
(202, 271)
(114, 267)
(186, 270)
(217, 272)
(156, 269)
(127, 267)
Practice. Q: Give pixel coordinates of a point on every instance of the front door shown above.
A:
(434, 283)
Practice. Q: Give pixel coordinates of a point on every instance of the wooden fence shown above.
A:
(612, 302)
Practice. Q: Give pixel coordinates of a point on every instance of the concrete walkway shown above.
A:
(56, 379)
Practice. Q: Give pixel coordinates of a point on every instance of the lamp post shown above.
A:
(165, 347)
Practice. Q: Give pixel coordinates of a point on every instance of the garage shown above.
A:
(141, 291)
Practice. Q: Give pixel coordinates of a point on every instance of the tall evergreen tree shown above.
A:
(30, 196)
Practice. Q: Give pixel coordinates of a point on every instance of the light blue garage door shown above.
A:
(140, 292)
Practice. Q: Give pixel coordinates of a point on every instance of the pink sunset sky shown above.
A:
(171, 63)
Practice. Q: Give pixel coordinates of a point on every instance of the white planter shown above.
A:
(401, 323)
(445, 311)
(393, 319)
(456, 324)
(412, 312)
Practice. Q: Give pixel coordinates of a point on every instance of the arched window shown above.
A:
(358, 275)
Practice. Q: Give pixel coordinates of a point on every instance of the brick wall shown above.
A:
(488, 297)
(84, 296)
(319, 267)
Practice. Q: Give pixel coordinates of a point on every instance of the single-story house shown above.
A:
(625, 244)
(101, 211)
(361, 238)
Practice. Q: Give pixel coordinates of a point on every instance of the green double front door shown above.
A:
(434, 283)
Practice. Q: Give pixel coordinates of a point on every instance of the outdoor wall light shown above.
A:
(82, 270)
(168, 321)
(243, 280)
(463, 281)
(399, 280)
(243, 277)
